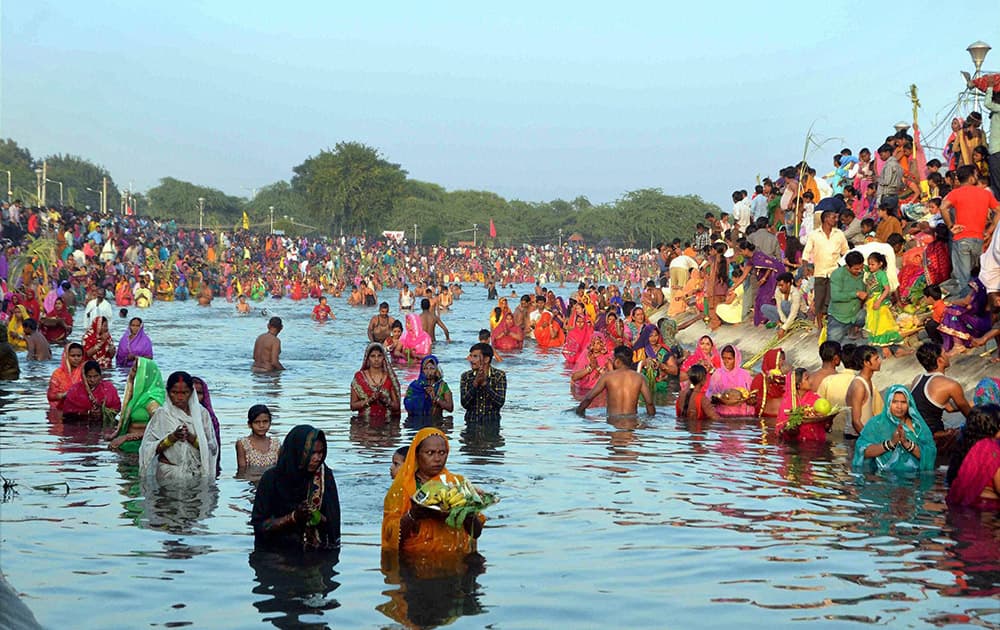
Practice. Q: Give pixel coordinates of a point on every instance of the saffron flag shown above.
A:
(246, 221)
(493, 229)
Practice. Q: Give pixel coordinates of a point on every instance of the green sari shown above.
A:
(147, 387)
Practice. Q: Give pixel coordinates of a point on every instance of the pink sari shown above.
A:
(578, 337)
(976, 473)
(737, 378)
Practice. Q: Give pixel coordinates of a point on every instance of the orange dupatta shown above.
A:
(434, 548)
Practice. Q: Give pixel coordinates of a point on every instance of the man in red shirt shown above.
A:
(975, 219)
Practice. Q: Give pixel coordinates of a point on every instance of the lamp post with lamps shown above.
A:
(52, 181)
(201, 212)
(100, 196)
(475, 233)
(10, 193)
(977, 50)
(271, 210)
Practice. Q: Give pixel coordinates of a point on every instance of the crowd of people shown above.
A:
(883, 257)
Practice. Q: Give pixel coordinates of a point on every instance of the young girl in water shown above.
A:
(257, 451)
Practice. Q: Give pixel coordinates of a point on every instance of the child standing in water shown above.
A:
(398, 457)
(257, 451)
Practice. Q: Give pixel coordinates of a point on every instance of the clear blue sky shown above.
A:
(532, 100)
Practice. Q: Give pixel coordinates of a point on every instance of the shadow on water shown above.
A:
(296, 586)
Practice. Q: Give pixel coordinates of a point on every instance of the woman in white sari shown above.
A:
(179, 447)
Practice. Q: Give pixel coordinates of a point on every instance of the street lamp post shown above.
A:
(60, 189)
(201, 212)
(271, 210)
(560, 238)
(38, 186)
(45, 178)
(977, 50)
(10, 193)
(475, 233)
(100, 197)
(414, 233)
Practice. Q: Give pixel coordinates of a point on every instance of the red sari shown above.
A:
(57, 333)
(769, 387)
(937, 261)
(87, 404)
(105, 347)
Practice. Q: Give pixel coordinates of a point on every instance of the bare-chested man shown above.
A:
(624, 385)
(934, 393)
(267, 348)
(380, 327)
(429, 320)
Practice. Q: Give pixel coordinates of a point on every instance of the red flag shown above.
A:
(493, 229)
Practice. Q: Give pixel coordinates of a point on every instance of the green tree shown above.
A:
(19, 162)
(353, 186)
(176, 199)
(77, 175)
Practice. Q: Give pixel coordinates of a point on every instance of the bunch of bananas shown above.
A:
(442, 495)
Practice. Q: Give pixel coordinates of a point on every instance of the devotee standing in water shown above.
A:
(38, 345)
(380, 326)
(624, 386)
(429, 320)
(483, 388)
(297, 507)
(934, 393)
(98, 307)
(267, 348)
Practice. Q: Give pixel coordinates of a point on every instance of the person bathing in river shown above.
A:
(693, 403)
(624, 386)
(267, 348)
(380, 326)
(430, 320)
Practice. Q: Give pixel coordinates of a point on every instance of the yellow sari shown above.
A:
(434, 549)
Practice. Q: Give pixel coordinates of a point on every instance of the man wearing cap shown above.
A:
(890, 182)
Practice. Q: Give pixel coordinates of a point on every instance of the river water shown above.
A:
(637, 524)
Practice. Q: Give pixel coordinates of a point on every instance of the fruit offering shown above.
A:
(801, 415)
(458, 499)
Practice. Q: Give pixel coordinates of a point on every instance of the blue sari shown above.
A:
(416, 401)
(882, 427)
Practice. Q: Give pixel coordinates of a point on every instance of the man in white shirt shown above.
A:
(823, 249)
(98, 307)
(680, 270)
(741, 211)
(789, 304)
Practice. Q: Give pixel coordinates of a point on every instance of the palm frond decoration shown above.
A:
(39, 252)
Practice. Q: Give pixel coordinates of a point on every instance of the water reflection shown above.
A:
(297, 586)
(975, 558)
(179, 510)
(483, 442)
(426, 602)
(375, 432)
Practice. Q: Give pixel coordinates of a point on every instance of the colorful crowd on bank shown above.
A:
(884, 256)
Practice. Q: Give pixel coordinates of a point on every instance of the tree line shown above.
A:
(353, 189)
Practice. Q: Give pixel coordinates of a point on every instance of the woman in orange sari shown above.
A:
(69, 372)
(548, 332)
(417, 535)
